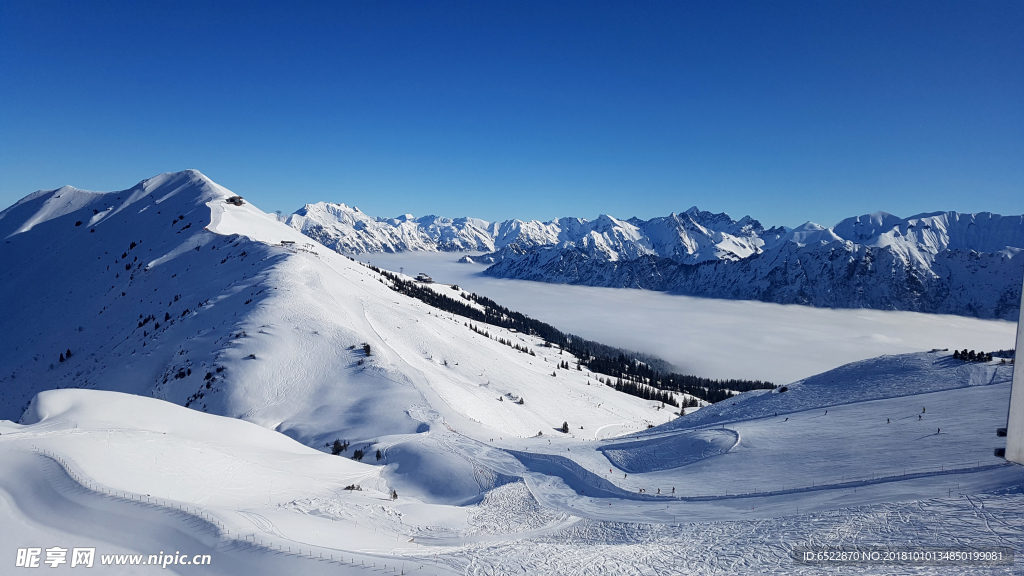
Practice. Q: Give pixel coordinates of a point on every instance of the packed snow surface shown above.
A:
(727, 488)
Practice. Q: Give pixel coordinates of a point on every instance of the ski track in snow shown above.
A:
(757, 546)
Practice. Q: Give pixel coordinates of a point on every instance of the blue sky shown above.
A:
(787, 111)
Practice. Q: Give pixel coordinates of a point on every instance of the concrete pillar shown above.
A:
(1015, 422)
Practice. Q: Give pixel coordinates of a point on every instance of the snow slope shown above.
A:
(166, 290)
(134, 475)
(128, 474)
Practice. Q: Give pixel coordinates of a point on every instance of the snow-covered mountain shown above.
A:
(168, 290)
(943, 262)
(693, 236)
(350, 231)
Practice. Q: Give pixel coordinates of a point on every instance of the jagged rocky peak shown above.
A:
(693, 235)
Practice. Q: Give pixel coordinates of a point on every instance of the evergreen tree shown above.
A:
(565, 427)
(338, 448)
(378, 455)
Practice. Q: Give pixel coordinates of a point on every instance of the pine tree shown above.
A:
(338, 448)
(565, 427)
(62, 357)
(378, 455)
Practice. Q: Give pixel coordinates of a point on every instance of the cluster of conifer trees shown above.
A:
(500, 340)
(640, 391)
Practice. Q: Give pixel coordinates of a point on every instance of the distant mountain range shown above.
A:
(941, 262)
(693, 236)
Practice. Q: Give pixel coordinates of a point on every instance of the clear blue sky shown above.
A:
(787, 111)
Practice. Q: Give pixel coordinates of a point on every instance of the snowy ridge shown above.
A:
(350, 231)
(692, 236)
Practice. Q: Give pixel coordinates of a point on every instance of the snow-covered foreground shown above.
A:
(715, 338)
(131, 475)
(215, 355)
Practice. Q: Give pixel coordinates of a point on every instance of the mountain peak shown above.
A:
(861, 228)
(812, 233)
